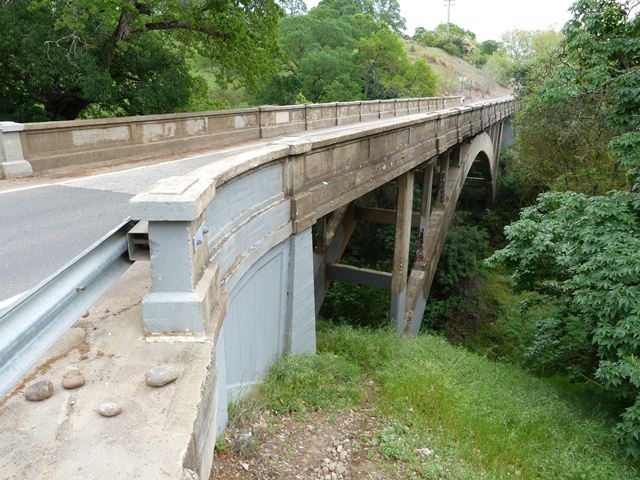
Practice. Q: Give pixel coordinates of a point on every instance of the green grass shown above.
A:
(482, 419)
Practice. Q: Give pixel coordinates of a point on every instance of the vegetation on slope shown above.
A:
(455, 74)
(480, 419)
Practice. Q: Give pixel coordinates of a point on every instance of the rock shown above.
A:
(325, 470)
(244, 465)
(339, 448)
(72, 379)
(424, 452)
(340, 468)
(343, 455)
(109, 409)
(162, 375)
(333, 476)
(39, 391)
(332, 466)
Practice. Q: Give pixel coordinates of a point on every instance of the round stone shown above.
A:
(39, 391)
(72, 379)
(109, 409)
(162, 375)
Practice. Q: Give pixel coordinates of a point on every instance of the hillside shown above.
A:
(449, 69)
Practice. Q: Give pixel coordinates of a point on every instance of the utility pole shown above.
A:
(448, 4)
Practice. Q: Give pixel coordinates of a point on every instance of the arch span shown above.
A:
(480, 149)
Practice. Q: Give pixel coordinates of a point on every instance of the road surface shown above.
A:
(43, 227)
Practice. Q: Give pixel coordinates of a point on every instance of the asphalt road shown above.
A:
(45, 226)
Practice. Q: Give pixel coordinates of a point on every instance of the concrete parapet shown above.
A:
(53, 145)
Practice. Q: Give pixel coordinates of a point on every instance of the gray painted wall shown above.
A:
(267, 274)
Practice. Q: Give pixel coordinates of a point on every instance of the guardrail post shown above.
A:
(12, 162)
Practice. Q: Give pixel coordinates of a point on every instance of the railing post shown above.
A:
(12, 162)
(183, 290)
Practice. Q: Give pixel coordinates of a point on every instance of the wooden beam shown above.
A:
(334, 223)
(382, 215)
(404, 212)
(361, 276)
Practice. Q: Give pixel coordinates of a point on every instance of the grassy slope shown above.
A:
(482, 419)
(449, 69)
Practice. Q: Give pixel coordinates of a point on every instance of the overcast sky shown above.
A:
(489, 19)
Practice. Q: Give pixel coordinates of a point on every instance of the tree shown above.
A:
(452, 38)
(578, 128)
(489, 47)
(59, 57)
(331, 56)
(582, 255)
(293, 7)
(386, 11)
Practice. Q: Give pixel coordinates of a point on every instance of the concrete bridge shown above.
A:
(234, 257)
(243, 249)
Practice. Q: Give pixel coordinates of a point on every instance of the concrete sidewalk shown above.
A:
(164, 432)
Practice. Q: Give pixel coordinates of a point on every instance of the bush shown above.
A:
(582, 255)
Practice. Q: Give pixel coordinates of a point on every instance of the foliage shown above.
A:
(509, 61)
(339, 52)
(385, 11)
(582, 255)
(462, 255)
(451, 38)
(578, 117)
(125, 56)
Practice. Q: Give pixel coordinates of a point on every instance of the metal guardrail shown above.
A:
(35, 322)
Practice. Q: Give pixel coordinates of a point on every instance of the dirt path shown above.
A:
(303, 446)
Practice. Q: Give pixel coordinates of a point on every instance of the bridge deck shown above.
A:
(45, 226)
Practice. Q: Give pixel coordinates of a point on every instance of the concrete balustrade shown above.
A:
(37, 148)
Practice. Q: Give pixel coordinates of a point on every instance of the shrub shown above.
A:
(582, 255)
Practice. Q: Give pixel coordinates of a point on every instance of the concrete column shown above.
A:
(425, 212)
(401, 250)
(444, 171)
(12, 162)
(301, 295)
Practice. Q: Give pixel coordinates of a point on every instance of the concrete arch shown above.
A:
(421, 278)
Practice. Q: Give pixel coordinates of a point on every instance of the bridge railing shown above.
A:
(41, 147)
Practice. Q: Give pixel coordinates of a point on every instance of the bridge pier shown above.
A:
(404, 212)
